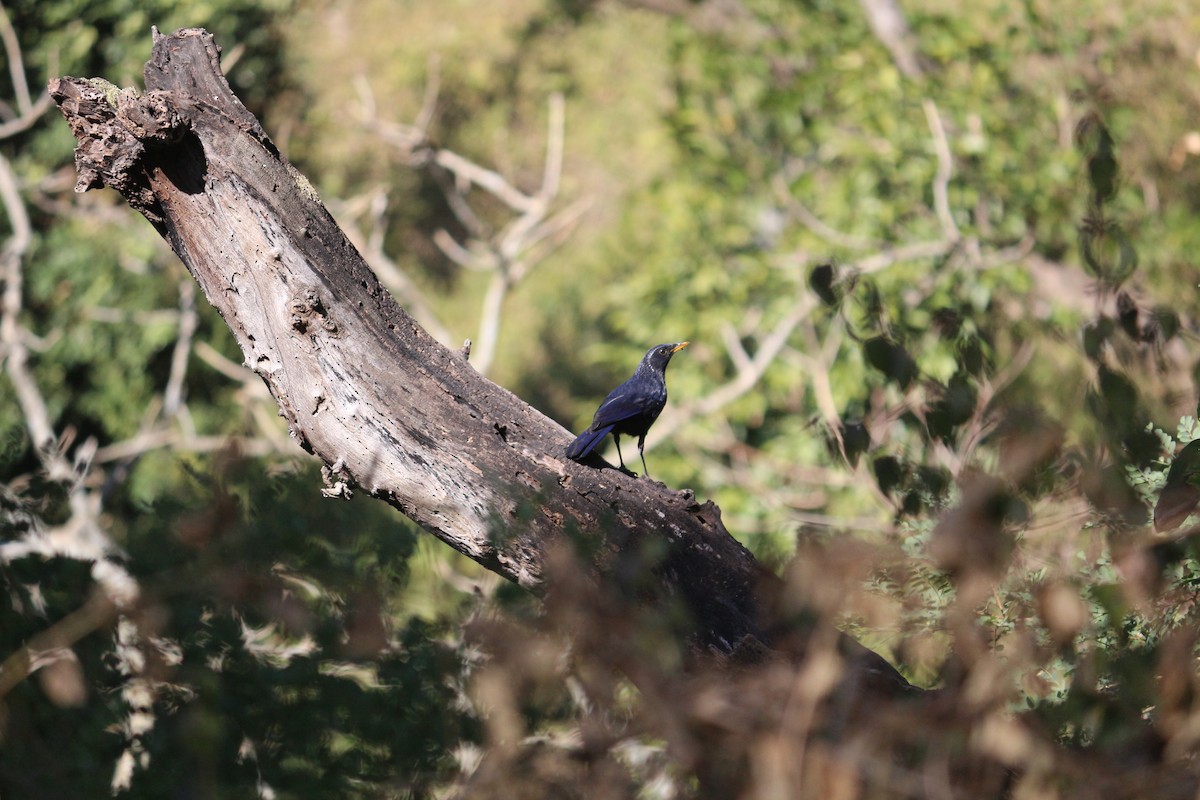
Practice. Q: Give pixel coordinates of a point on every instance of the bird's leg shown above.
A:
(625, 469)
(642, 452)
(621, 458)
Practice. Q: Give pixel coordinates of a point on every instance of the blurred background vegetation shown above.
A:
(940, 286)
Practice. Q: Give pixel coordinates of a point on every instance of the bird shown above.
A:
(631, 408)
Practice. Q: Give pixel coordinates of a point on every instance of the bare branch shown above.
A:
(164, 438)
(271, 438)
(783, 195)
(743, 380)
(433, 85)
(733, 346)
(749, 373)
(467, 171)
(33, 407)
(941, 182)
(81, 536)
(555, 125)
(456, 188)
(26, 120)
(889, 25)
(28, 110)
(98, 612)
(121, 316)
(188, 319)
(406, 138)
(548, 236)
(230, 369)
(16, 63)
(908, 252)
(489, 322)
(460, 255)
(817, 362)
(514, 246)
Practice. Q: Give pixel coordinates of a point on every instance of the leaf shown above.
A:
(1165, 324)
(1127, 315)
(1120, 397)
(1107, 251)
(821, 280)
(892, 360)
(1095, 336)
(889, 473)
(856, 440)
(948, 322)
(956, 406)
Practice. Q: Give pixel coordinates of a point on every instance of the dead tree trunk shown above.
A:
(387, 409)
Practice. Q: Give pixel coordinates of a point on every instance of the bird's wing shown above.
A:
(624, 403)
(586, 442)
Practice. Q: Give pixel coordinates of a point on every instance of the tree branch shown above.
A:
(363, 387)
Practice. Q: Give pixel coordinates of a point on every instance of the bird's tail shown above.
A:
(586, 442)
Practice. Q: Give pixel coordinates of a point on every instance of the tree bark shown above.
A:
(387, 408)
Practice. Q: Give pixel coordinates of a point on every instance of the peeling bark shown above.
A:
(387, 408)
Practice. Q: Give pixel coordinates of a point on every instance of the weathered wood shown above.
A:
(361, 385)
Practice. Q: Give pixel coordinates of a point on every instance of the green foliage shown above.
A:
(274, 664)
(975, 278)
(284, 671)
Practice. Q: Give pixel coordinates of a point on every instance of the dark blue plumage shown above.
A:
(632, 407)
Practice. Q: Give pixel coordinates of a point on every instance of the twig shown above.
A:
(817, 367)
(733, 346)
(29, 110)
(489, 321)
(909, 252)
(433, 85)
(162, 438)
(548, 236)
(814, 223)
(941, 182)
(555, 139)
(98, 612)
(743, 380)
(468, 172)
(16, 63)
(121, 316)
(886, 19)
(981, 426)
(460, 255)
(33, 407)
(188, 319)
(230, 369)
(25, 121)
(259, 401)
